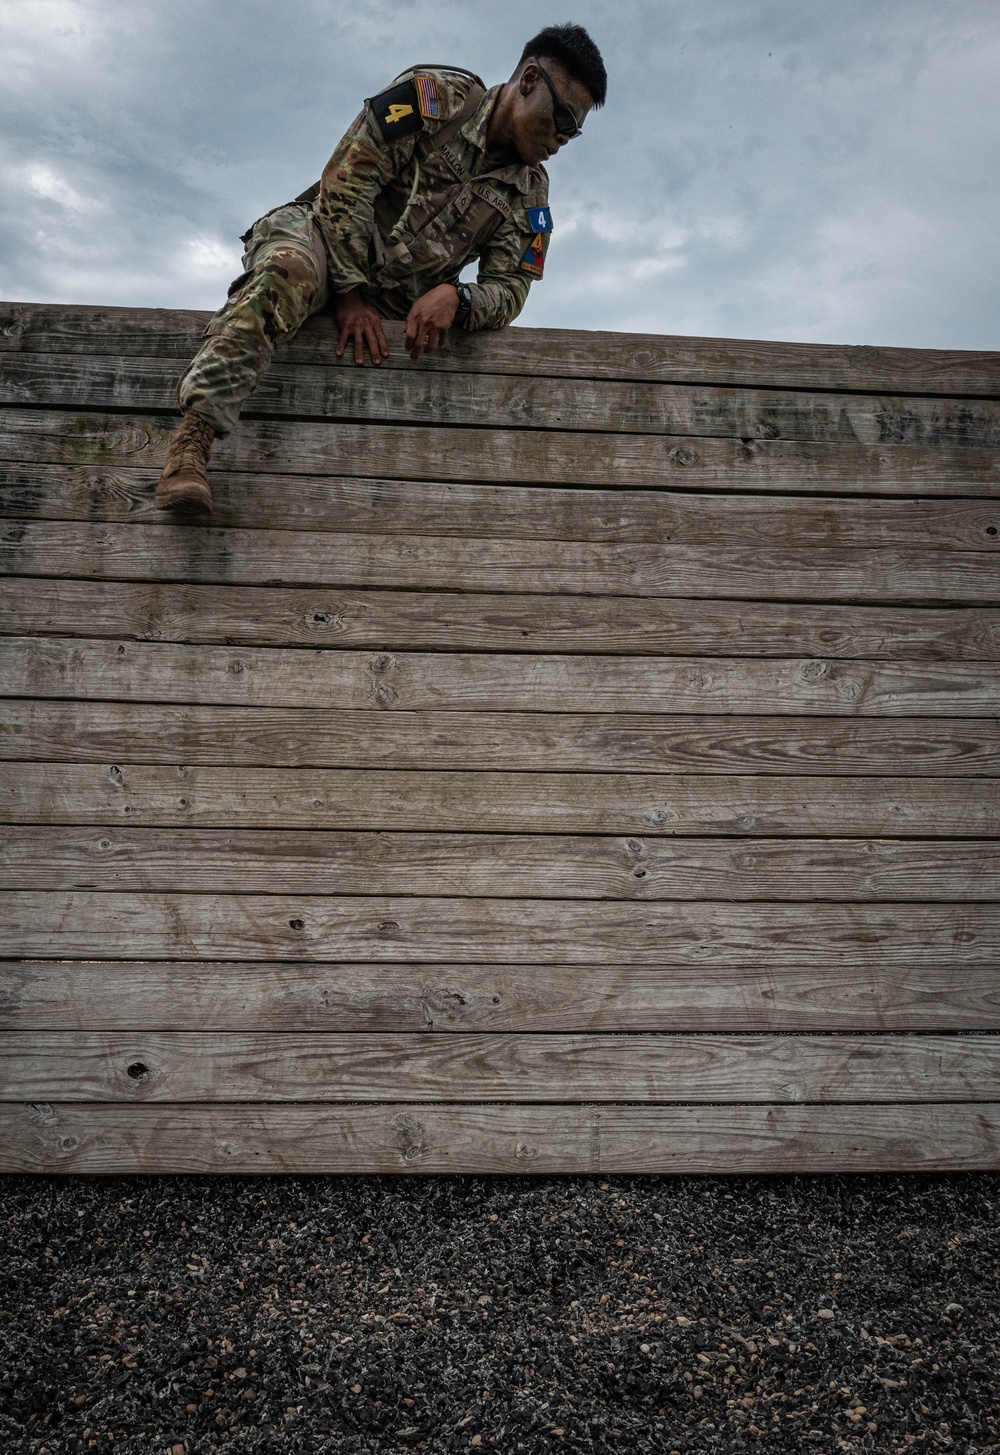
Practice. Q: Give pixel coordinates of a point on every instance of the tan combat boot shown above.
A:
(184, 482)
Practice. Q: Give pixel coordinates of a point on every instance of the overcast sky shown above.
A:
(763, 168)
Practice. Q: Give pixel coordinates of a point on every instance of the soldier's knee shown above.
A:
(285, 288)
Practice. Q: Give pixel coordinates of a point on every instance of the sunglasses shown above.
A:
(564, 119)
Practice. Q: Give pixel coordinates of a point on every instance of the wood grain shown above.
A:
(504, 401)
(550, 866)
(557, 457)
(627, 742)
(511, 1139)
(563, 353)
(490, 682)
(206, 995)
(508, 802)
(82, 924)
(396, 620)
(509, 512)
(193, 553)
(178, 1066)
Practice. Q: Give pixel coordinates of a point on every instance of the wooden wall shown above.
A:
(572, 753)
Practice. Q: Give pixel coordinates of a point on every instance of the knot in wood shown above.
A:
(383, 662)
(682, 457)
(411, 1139)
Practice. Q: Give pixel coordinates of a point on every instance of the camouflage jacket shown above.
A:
(402, 208)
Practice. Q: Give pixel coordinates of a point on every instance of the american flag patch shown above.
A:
(427, 95)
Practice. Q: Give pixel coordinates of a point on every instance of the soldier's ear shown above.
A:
(528, 79)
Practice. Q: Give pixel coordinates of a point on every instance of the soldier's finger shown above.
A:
(372, 341)
(419, 329)
(345, 334)
(359, 348)
(382, 343)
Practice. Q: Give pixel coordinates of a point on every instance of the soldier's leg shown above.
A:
(284, 281)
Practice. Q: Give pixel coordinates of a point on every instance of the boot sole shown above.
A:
(185, 495)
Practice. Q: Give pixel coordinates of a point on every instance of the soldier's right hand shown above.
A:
(357, 320)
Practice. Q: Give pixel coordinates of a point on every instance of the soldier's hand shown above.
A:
(430, 318)
(359, 321)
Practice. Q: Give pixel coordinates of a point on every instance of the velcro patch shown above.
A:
(534, 259)
(454, 161)
(539, 219)
(493, 197)
(397, 111)
(427, 95)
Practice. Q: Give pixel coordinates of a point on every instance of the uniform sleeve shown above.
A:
(362, 165)
(353, 177)
(501, 287)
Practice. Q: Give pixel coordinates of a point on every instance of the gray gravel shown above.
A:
(387, 1314)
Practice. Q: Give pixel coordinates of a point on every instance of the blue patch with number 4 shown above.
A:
(539, 219)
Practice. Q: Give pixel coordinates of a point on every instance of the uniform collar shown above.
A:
(474, 131)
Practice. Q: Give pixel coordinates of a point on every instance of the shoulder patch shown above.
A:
(534, 258)
(539, 219)
(427, 96)
(398, 111)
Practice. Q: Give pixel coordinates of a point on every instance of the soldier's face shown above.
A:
(536, 133)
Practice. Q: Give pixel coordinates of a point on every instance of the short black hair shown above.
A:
(579, 57)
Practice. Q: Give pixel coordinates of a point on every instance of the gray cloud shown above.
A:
(774, 170)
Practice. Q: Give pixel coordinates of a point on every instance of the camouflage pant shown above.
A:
(285, 280)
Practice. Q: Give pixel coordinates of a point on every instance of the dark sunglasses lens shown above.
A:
(566, 122)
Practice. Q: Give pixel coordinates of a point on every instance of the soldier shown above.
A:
(435, 171)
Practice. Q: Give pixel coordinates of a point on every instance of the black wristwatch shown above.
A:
(464, 303)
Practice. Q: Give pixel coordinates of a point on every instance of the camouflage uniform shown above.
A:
(406, 200)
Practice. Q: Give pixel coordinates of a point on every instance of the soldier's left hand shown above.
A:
(430, 318)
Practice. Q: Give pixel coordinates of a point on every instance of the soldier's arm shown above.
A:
(502, 282)
(376, 147)
(363, 163)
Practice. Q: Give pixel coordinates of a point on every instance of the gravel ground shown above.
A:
(390, 1314)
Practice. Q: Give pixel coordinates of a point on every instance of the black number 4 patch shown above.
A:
(397, 111)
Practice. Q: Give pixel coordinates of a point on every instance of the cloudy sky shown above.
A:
(778, 169)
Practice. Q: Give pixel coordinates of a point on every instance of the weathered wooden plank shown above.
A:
(395, 620)
(557, 457)
(247, 861)
(83, 924)
(505, 1139)
(566, 353)
(204, 554)
(504, 401)
(508, 802)
(206, 996)
(501, 1139)
(631, 742)
(509, 512)
(490, 682)
(179, 1066)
